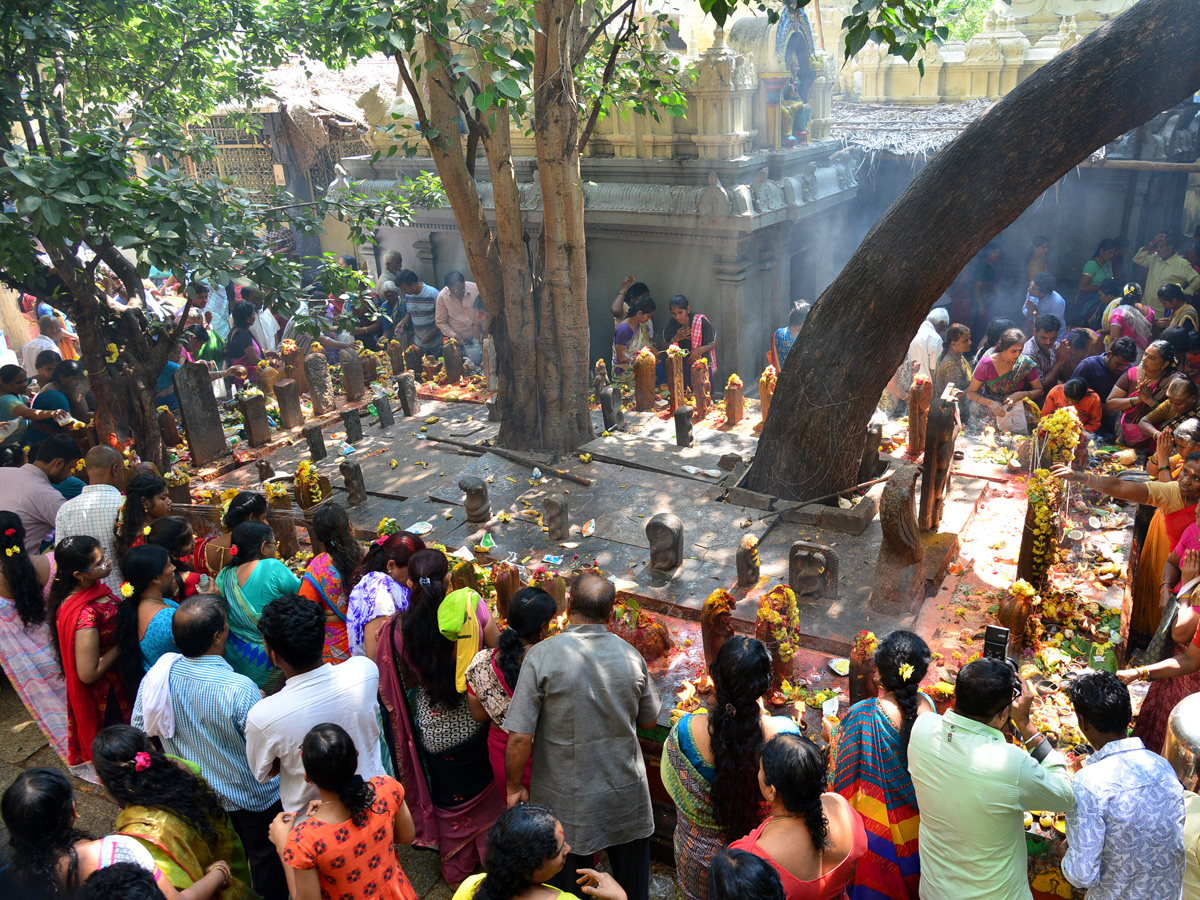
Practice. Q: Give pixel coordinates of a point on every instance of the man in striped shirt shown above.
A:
(204, 708)
(420, 313)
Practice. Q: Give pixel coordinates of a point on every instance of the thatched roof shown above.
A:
(322, 90)
(903, 130)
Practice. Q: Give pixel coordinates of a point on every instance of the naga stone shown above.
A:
(406, 386)
(716, 625)
(734, 400)
(870, 457)
(766, 390)
(267, 378)
(287, 395)
(940, 435)
(201, 417)
(558, 519)
(320, 385)
(919, 397)
(287, 542)
(383, 409)
(168, 427)
(476, 502)
(452, 357)
(610, 408)
(899, 569)
(493, 409)
(674, 367)
(180, 494)
(352, 476)
(293, 368)
(665, 533)
(491, 381)
(683, 426)
(352, 420)
(645, 393)
(701, 388)
(463, 575)
(414, 359)
(370, 365)
(396, 356)
(507, 579)
(600, 379)
(746, 559)
(254, 419)
(316, 442)
(813, 572)
(352, 375)
(266, 470)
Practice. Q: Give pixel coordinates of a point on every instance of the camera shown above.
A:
(995, 646)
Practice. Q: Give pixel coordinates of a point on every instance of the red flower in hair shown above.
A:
(10, 532)
(233, 549)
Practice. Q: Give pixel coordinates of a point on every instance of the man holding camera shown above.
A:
(973, 786)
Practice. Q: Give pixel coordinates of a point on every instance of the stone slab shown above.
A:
(201, 418)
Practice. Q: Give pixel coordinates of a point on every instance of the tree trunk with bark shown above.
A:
(858, 332)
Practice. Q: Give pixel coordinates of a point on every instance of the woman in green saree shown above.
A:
(251, 580)
(1004, 378)
(168, 808)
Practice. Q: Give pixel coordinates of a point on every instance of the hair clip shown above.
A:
(424, 581)
(381, 540)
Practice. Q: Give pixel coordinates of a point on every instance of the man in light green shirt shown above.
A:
(973, 787)
(1165, 266)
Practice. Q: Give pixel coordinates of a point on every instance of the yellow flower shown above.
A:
(10, 551)
(111, 352)
(126, 589)
(146, 531)
(906, 672)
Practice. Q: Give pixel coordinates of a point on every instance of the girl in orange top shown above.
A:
(345, 847)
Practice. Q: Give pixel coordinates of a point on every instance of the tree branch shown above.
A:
(60, 97)
(627, 6)
(623, 36)
(411, 87)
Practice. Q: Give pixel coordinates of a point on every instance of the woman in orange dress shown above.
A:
(346, 846)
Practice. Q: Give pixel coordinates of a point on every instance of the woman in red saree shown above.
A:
(84, 615)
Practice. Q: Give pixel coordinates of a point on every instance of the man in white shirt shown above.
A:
(1042, 299)
(264, 327)
(293, 630)
(96, 508)
(924, 351)
(459, 314)
(49, 331)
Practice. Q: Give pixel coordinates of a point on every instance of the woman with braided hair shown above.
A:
(51, 858)
(346, 845)
(327, 578)
(812, 838)
(710, 762)
(146, 499)
(171, 812)
(211, 555)
(492, 674)
(872, 770)
(25, 650)
(525, 849)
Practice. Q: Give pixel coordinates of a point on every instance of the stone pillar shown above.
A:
(414, 360)
(320, 385)
(370, 364)
(265, 469)
(168, 427)
(406, 384)
(284, 526)
(644, 380)
(599, 379)
(267, 377)
(674, 366)
(427, 254)
(701, 389)
(352, 421)
(683, 426)
(489, 364)
(254, 419)
(734, 400)
(731, 273)
(766, 390)
(396, 355)
(452, 356)
(353, 477)
(291, 413)
(746, 560)
(316, 442)
(293, 367)
(383, 409)
(201, 418)
(920, 395)
(558, 519)
(352, 375)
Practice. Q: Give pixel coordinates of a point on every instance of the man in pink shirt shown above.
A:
(459, 314)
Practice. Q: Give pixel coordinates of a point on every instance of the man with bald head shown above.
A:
(197, 706)
(49, 331)
(96, 508)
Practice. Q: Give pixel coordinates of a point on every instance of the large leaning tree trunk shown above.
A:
(1121, 75)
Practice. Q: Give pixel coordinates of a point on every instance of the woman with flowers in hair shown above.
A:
(83, 617)
(146, 612)
(378, 589)
(324, 581)
(25, 649)
(173, 813)
(211, 555)
(872, 770)
(251, 580)
(441, 749)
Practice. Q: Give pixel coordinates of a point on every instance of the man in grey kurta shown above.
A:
(579, 701)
